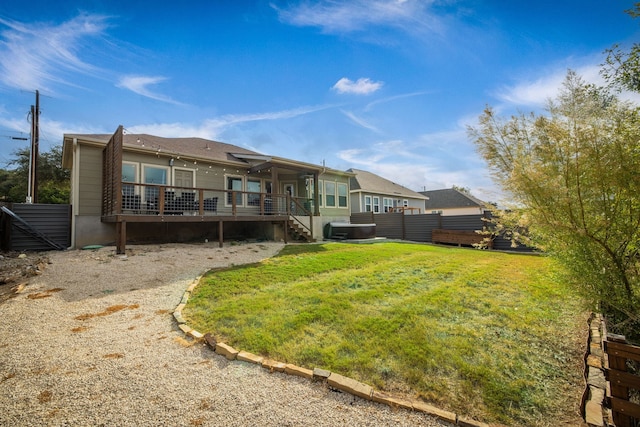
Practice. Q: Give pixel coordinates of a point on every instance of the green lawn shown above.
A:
(490, 335)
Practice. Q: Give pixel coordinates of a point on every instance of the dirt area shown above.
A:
(16, 268)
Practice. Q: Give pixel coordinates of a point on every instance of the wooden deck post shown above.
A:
(220, 233)
(286, 230)
(121, 237)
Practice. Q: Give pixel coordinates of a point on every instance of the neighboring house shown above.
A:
(450, 201)
(372, 193)
(146, 188)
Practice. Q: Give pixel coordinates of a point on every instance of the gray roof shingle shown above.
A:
(372, 183)
(449, 198)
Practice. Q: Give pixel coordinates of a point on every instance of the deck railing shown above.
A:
(154, 199)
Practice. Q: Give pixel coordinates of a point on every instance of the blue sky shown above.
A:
(385, 86)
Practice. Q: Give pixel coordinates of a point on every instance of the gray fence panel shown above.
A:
(389, 225)
(362, 218)
(54, 221)
(418, 227)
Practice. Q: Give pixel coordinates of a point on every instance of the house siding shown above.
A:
(474, 210)
(90, 186)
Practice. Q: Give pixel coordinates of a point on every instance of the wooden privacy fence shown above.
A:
(423, 227)
(621, 359)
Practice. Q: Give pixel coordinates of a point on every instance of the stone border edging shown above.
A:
(594, 412)
(333, 380)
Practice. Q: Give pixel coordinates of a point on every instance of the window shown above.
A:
(342, 195)
(234, 183)
(129, 174)
(254, 187)
(330, 193)
(153, 175)
(387, 204)
(405, 203)
(367, 203)
(376, 204)
(320, 191)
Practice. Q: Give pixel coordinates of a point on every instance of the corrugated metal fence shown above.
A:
(52, 221)
(417, 228)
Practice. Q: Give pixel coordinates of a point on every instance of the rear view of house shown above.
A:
(142, 188)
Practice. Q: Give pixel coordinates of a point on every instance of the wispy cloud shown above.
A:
(38, 55)
(360, 122)
(535, 92)
(213, 128)
(372, 104)
(343, 16)
(140, 85)
(362, 86)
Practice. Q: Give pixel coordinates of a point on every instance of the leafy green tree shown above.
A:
(574, 175)
(53, 180)
(622, 67)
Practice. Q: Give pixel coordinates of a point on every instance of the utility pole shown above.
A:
(32, 193)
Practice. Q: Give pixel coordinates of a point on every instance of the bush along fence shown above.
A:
(434, 228)
(612, 372)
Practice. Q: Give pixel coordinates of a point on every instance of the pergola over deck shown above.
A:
(127, 202)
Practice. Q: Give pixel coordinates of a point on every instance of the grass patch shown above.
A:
(485, 334)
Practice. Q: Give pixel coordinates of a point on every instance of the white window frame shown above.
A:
(387, 204)
(368, 205)
(344, 186)
(376, 204)
(326, 194)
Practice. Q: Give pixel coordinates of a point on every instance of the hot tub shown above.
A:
(345, 230)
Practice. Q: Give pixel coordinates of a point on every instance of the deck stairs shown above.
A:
(298, 232)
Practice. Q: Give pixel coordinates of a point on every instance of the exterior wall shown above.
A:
(473, 210)
(89, 230)
(89, 186)
(358, 204)
(334, 211)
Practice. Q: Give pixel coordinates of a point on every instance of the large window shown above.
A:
(342, 195)
(330, 193)
(376, 204)
(254, 187)
(129, 174)
(234, 183)
(153, 175)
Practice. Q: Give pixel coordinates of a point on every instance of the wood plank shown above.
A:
(623, 379)
(625, 407)
(627, 351)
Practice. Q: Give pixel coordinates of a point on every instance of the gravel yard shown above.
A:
(91, 340)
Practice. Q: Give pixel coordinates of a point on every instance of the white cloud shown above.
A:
(140, 85)
(360, 122)
(35, 56)
(341, 16)
(537, 91)
(362, 86)
(372, 104)
(212, 128)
